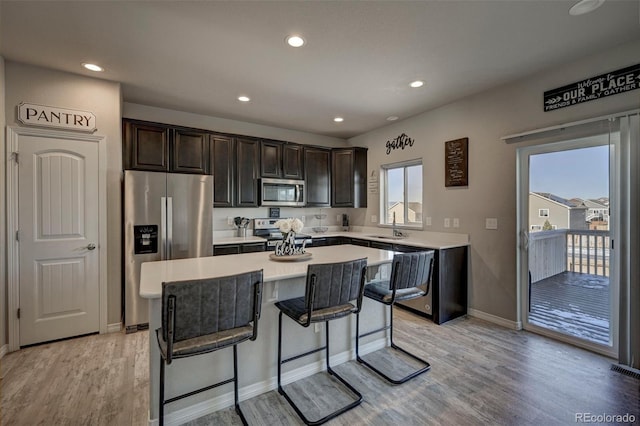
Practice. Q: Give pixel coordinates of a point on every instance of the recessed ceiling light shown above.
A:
(416, 84)
(392, 118)
(92, 67)
(244, 98)
(585, 6)
(338, 119)
(295, 41)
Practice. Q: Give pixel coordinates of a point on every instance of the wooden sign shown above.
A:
(612, 83)
(58, 118)
(456, 162)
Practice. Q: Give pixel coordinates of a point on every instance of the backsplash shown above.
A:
(333, 218)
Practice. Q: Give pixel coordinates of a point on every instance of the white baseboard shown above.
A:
(4, 349)
(209, 406)
(513, 325)
(114, 328)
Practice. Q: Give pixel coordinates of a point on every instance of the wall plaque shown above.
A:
(612, 83)
(59, 118)
(456, 162)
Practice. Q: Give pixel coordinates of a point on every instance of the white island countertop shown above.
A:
(153, 274)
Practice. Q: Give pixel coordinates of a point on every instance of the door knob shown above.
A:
(91, 246)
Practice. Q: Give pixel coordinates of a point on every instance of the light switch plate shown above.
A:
(229, 221)
(491, 223)
(456, 222)
(427, 221)
(339, 218)
(447, 222)
(374, 218)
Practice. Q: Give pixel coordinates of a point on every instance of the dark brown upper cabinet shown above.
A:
(223, 159)
(271, 159)
(247, 170)
(146, 146)
(318, 176)
(189, 152)
(163, 148)
(349, 173)
(292, 161)
(281, 160)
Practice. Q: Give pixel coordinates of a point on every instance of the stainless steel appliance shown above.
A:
(166, 216)
(282, 192)
(266, 229)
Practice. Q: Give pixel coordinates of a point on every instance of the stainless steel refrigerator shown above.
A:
(166, 216)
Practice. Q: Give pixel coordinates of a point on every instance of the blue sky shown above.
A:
(581, 173)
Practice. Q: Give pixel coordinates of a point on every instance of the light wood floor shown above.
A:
(481, 374)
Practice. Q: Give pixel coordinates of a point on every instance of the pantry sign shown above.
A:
(58, 118)
(612, 83)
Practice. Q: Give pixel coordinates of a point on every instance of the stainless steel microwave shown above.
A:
(282, 192)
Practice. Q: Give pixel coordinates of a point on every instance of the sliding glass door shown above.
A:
(566, 216)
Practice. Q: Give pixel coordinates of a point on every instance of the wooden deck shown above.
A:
(572, 303)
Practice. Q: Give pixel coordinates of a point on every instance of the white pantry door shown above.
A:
(58, 238)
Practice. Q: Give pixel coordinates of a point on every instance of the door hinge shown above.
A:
(15, 157)
(612, 244)
(18, 313)
(18, 236)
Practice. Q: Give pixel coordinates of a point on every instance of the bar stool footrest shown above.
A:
(426, 366)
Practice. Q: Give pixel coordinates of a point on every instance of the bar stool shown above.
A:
(206, 315)
(329, 289)
(410, 278)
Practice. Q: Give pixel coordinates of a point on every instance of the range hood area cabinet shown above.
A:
(349, 177)
(158, 147)
(282, 160)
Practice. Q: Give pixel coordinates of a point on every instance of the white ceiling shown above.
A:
(359, 58)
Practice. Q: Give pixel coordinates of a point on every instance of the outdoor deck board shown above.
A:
(573, 303)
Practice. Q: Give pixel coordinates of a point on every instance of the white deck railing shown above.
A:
(557, 251)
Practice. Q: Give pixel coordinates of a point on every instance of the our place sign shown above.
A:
(59, 118)
(611, 83)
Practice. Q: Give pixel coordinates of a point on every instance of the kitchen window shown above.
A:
(402, 197)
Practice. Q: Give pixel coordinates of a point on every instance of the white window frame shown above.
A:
(540, 212)
(384, 194)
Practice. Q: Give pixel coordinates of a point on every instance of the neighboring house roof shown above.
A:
(576, 203)
(596, 204)
(416, 207)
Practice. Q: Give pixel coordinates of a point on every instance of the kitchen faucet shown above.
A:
(396, 232)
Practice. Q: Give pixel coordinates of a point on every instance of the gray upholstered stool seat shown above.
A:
(206, 315)
(207, 343)
(410, 278)
(297, 311)
(329, 289)
(380, 291)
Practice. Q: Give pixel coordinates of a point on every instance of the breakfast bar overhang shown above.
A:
(257, 360)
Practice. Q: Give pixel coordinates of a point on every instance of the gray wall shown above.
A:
(484, 119)
(25, 83)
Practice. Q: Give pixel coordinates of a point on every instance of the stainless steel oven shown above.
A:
(266, 229)
(282, 192)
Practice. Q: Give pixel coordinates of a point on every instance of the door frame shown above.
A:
(522, 178)
(13, 261)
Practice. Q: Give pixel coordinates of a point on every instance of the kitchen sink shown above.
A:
(388, 237)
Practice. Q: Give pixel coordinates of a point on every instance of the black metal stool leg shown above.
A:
(235, 385)
(426, 366)
(161, 394)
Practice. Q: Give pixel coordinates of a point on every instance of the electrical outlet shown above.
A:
(339, 218)
(229, 221)
(447, 222)
(303, 218)
(317, 327)
(491, 223)
(374, 218)
(427, 221)
(456, 222)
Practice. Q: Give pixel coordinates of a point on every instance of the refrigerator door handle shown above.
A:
(169, 227)
(163, 227)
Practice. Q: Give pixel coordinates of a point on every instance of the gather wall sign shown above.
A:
(399, 142)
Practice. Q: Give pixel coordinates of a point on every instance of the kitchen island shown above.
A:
(257, 360)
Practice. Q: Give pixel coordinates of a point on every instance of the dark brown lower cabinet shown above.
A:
(224, 249)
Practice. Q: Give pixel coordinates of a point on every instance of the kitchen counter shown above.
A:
(430, 240)
(257, 360)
